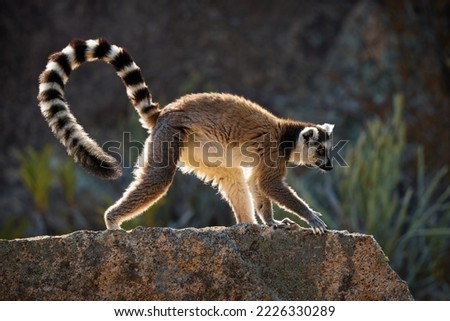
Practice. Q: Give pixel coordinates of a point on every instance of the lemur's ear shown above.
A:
(309, 133)
(328, 128)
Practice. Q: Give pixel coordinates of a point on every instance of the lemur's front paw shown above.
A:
(316, 223)
(285, 223)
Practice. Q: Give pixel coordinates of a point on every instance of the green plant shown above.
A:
(376, 195)
(421, 237)
(35, 171)
(12, 228)
(66, 176)
(373, 177)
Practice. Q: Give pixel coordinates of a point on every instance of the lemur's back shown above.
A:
(225, 117)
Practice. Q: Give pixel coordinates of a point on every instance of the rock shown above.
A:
(243, 262)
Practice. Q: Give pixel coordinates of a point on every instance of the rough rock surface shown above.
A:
(243, 262)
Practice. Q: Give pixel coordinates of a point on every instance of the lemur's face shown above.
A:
(314, 146)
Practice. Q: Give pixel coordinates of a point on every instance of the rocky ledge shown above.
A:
(243, 262)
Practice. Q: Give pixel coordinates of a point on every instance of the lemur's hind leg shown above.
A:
(233, 187)
(262, 204)
(155, 171)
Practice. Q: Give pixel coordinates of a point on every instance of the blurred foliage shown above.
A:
(66, 175)
(100, 209)
(38, 171)
(12, 228)
(411, 223)
(373, 177)
(36, 174)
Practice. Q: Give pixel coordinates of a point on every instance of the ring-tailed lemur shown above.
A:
(224, 139)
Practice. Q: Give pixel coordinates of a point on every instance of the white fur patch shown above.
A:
(328, 128)
(91, 45)
(308, 131)
(50, 85)
(122, 73)
(46, 105)
(114, 52)
(142, 104)
(132, 89)
(53, 65)
(69, 51)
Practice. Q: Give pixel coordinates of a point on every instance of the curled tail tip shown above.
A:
(110, 171)
(107, 169)
(94, 160)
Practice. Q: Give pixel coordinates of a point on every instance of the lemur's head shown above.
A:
(314, 147)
